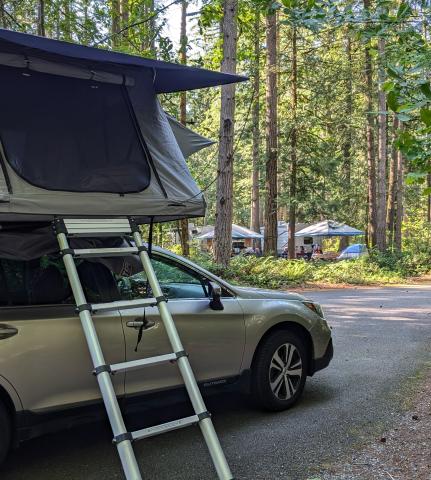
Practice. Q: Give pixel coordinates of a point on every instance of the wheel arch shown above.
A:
(7, 401)
(297, 328)
(10, 398)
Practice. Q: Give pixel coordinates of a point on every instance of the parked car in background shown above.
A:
(265, 342)
(353, 251)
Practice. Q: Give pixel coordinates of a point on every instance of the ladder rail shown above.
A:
(125, 449)
(123, 438)
(206, 425)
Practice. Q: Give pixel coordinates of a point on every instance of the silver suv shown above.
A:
(265, 342)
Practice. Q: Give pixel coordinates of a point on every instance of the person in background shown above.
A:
(285, 252)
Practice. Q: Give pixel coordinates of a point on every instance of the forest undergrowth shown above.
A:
(278, 273)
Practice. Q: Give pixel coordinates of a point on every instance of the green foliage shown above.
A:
(363, 271)
(268, 271)
(379, 268)
(408, 90)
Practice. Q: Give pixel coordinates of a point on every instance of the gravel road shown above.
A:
(381, 340)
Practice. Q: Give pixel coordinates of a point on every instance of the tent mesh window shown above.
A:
(69, 134)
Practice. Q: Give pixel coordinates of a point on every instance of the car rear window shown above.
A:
(44, 282)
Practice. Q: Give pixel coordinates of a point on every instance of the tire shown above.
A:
(272, 387)
(5, 432)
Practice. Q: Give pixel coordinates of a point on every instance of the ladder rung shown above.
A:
(123, 305)
(97, 227)
(143, 362)
(104, 252)
(165, 427)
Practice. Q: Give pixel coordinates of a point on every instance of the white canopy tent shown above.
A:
(238, 233)
(329, 228)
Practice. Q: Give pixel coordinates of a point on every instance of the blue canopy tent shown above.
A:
(329, 228)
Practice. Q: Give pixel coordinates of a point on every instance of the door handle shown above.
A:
(6, 331)
(138, 323)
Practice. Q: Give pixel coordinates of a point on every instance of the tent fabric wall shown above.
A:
(4, 194)
(189, 142)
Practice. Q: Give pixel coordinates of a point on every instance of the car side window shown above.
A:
(36, 282)
(177, 281)
(44, 281)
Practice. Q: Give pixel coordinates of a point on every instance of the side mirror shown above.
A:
(215, 294)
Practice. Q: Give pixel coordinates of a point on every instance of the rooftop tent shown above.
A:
(329, 228)
(82, 133)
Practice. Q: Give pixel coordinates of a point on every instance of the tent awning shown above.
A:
(168, 77)
(329, 228)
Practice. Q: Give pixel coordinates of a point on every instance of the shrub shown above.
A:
(363, 271)
(269, 272)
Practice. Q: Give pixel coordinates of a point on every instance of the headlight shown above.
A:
(315, 307)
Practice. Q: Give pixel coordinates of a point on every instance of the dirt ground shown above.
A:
(402, 453)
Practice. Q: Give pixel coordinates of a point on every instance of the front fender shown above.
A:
(12, 393)
(260, 315)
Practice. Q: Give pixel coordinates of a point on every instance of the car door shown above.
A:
(214, 340)
(47, 360)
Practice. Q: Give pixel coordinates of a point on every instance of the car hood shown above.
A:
(246, 292)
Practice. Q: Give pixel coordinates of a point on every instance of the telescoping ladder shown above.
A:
(123, 439)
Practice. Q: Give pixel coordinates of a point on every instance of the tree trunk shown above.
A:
(400, 199)
(255, 193)
(270, 241)
(344, 243)
(115, 23)
(125, 15)
(184, 223)
(151, 30)
(347, 141)
(371, 161)
(67, 29)
(223, 216)
(148, 33)
(160, 234)
(2, 15)
(429, 199)
(392, 190)
(382, 154)
(41, 18)
(293, 152)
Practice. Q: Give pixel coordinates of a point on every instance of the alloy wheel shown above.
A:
(285, 371)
